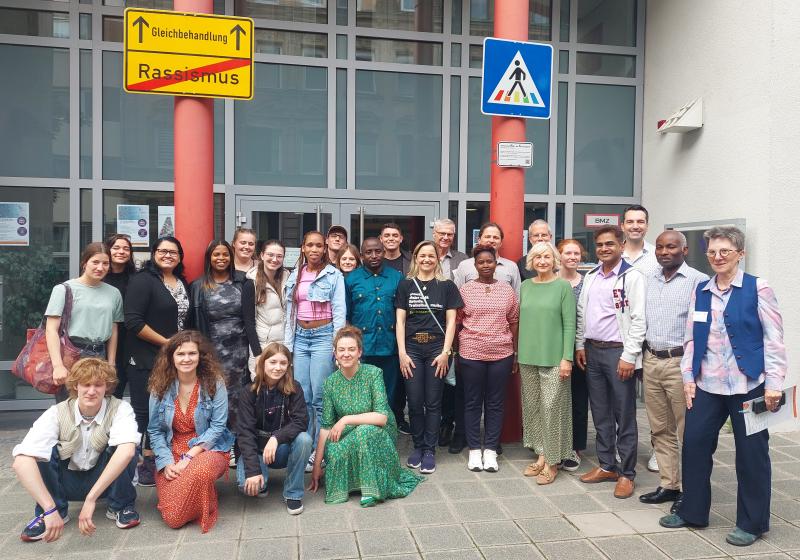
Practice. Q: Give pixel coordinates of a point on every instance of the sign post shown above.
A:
(194, 56)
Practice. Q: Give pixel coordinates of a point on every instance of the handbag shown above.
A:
(450, 378)
(33, 365)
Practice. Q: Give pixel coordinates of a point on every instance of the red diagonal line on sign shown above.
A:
(217, 67)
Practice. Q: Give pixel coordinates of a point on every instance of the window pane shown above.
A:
(341, 12)
(35, 23)
(293, 43)
(596, 64)
(42, 264)
(481, 19)
(309, 11)
(475, 56)
(455, 55)
(479, 149)
(456, 17)
(455, 130)
(406, 15)
(559, 233)
(341, 128)
(478, 214)
(604, 133)
(219, 5)
(86, 114)
(35, 132)
(138, 136)
(113, 29)
(86, 217)
(607, 22)
(341, 47)
(85, 26)
(403, 52)
(281, 135)
(398, 137)
(563, 34)
(561, 139)
(585, 234)
(563, 62)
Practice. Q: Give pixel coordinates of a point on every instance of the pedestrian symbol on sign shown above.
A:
(517, 86)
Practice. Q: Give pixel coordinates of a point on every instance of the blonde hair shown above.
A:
(87, 370)
(286, 383)
(541, 248)
(413, 270)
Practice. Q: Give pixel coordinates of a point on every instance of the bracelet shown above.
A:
(186, 456)
(41, 516)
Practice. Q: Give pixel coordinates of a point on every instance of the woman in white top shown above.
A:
(264, 308)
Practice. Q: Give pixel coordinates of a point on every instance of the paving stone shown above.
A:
(383, 515)
(334, 519)
(425, 493)
(788, 510)
(548, 529)
(466, 490)
(149, 553)
(12, 522)
(511, 552)
(207, 550)
(496, 533)
(261, 525)
(381, 542)
(106, 538)
(441, 537)
(611, 503)
(579, 503)
(510, 487)
(394, 557)
(779, 556)
(600, 524)
(644, 521)
(328, 547)
(783, 536)
(479, 510)
(470, 554)
(285, 548)
(682, 544)
(157, 532)
(788, 487)
(427, 514)
(717, 538)
(535, 506)
(570, 550)
(629, 548)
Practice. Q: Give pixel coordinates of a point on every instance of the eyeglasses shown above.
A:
(444, 233)
(724, 253)
(167, 253)
(276, 256)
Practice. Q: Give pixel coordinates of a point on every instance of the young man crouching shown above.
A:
(82, 449)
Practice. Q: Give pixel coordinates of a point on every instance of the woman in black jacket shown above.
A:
(271, 428)
(122, 268)
(156, 307)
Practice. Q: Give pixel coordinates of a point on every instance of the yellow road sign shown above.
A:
(203, 55)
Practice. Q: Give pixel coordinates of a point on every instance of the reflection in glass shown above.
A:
(481, 19)
(281, 135)
(597, 64)
(138, 136)
(341, 47)
(219, 5)
(563, 62)
(455, 130)
(35, 23)
(478, 214)
(585, 234)
(85, 26)
(86, 217)
(113, 29)
(405, 15)
(86, 114)
(455, 55)
(479, 150)
(341, 12)
(604, 136)
(308, 11)
(475, 56)
(341, 128)
(413, 228)
(293, 43)
(563, 34)
(34, 122)
(289, 227)
(561, 139)
(398, 131)
(398, 51)
(607, 22)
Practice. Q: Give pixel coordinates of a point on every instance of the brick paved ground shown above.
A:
(454, 514)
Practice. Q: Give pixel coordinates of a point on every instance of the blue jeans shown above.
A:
(313, 363)
(291, 456)
(66, 485)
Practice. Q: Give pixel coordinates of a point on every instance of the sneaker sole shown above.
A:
(113, 517)
(297, 511)
(569, 469)
(428, 471)
(145, 485)
(411, 466)
(25, 538)
(475, 469)
(490, 469)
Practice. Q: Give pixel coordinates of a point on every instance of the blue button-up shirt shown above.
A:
(370, 307)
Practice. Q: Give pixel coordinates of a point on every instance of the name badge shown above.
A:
(700, 317)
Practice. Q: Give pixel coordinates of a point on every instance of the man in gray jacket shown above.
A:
(609, 338)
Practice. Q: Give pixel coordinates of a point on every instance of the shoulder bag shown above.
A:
(450, 378)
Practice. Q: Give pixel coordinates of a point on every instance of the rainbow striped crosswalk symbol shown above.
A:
(517, 78)
(517, 86)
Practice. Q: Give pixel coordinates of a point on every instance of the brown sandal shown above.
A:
(533, 469)
(546, 476)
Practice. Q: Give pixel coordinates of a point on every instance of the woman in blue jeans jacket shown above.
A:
(315, 310)
(188, 414)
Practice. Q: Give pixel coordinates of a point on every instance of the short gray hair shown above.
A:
(681, 236)
(443, 222)
(539, 222)
(541, 248)
(731, 233)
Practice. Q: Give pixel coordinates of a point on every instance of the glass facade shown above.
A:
(358, 104)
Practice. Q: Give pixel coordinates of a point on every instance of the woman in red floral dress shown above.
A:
(188, 413)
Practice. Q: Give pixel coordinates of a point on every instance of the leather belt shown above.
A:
(675, 352)
(601, 344)
(425, 338)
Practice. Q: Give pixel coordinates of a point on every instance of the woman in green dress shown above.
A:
(358, 432)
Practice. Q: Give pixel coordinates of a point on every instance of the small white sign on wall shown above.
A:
(600, 220)
(515, 154)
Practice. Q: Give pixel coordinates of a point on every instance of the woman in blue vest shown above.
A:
(733, 353)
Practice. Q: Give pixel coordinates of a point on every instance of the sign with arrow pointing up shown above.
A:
(201, 55)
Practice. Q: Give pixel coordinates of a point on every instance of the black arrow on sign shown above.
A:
(239, 32)
(141, 23)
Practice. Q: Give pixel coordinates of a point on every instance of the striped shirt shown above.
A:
(668, 306)
(646, 261)
(719, 372)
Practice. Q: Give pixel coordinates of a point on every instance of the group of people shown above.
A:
(310, 366)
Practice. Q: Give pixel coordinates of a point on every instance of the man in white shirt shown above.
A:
(88, 441)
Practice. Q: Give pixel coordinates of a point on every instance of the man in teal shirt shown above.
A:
(370, 293)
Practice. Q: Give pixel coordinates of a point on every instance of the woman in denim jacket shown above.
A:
(315, 310)
(188, 414)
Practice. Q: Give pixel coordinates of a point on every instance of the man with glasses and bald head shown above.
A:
(538, 231)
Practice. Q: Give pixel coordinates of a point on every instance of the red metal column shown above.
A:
(507, 206)
(194, 166)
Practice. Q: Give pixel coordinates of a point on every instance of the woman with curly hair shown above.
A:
(188, 413)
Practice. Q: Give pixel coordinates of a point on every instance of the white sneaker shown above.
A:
(652, 463)
(490, 460)
(475, 463)
(311, 459)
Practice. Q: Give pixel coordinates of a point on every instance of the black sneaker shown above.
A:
(415, 459)
(403, 427)
(428, 465)
(147, 471)
(125, 518)
(35, 532)
(294, 507)
(571, 463)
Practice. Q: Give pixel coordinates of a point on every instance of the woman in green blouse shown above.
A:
(546, 343)
(358, 432)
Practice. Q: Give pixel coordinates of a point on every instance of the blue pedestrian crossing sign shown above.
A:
(517, 79)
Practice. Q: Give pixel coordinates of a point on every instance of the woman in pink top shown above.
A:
(487, 344)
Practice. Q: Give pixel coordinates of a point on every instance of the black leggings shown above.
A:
(580, 407)
(140, 399)
(484, 386)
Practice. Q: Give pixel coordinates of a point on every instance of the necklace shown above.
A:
(88, 418)
(424, 284)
